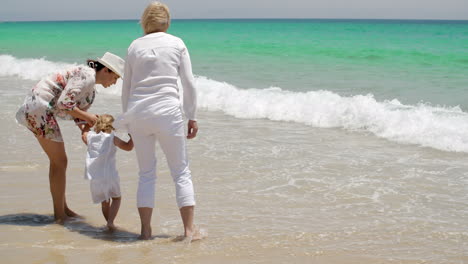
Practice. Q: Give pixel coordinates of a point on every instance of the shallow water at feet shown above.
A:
(266, 192)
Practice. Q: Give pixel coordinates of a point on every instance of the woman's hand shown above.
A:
(192, 129)
(90, 119)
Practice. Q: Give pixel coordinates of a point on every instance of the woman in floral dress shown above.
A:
(68, 95)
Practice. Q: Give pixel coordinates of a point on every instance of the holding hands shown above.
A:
(86, 122)
(83, 116)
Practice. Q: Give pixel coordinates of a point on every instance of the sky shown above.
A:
(50, 10)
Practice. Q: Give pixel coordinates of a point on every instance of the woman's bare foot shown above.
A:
(70, 213)
(111, 227)
(61, 219)
(145, 233)
(195, 235)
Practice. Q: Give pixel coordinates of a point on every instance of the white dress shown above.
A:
(54, 96)
(101, 167)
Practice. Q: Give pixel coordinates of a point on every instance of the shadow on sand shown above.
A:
(78, 225)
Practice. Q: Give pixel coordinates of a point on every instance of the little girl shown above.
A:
(101, 166)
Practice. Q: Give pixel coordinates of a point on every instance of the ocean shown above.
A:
(321, 141)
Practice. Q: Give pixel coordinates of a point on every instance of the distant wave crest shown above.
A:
(29, 69)
(443, 128)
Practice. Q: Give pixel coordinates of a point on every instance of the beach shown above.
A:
(341, 163)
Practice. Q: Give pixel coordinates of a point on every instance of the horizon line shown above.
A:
(272, 18)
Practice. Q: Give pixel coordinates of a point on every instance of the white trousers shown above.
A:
(168, 130)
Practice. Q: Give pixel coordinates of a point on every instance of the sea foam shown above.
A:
(439, 127)
(29, 69)
(443, 128)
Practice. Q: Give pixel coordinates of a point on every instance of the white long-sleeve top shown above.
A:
(153, 65)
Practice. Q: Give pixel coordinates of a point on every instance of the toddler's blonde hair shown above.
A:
(104, 124)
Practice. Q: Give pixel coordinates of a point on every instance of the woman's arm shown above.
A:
(190, 93)
(82, 80)
(83, 115)
(127, 146)
(127, 82)
(188, 85)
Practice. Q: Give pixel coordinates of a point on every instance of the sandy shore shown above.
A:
(267, 192)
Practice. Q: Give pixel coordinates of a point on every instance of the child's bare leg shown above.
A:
(114, 209)
(105, 209)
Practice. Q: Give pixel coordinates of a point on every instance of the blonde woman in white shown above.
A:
(152, 112)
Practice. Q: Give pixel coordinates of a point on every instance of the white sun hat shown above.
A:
(113, 62)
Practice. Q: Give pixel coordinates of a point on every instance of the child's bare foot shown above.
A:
(145, 233)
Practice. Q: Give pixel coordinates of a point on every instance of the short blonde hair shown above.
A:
(155, 18)
(104, 124)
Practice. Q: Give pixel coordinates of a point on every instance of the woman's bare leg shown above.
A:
(187, 213)
(145, 217)
(57, 175)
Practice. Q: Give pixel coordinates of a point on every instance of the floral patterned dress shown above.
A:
(53, 97)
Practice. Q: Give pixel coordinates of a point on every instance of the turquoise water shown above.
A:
(404, 81)
(411, 61)
(318, 138)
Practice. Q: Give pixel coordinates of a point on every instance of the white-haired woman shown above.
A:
(67, 94)
(152, 112)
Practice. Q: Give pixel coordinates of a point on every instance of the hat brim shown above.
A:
(110, 67)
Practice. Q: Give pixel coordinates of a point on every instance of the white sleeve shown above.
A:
(126, 84)
(188, 85)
